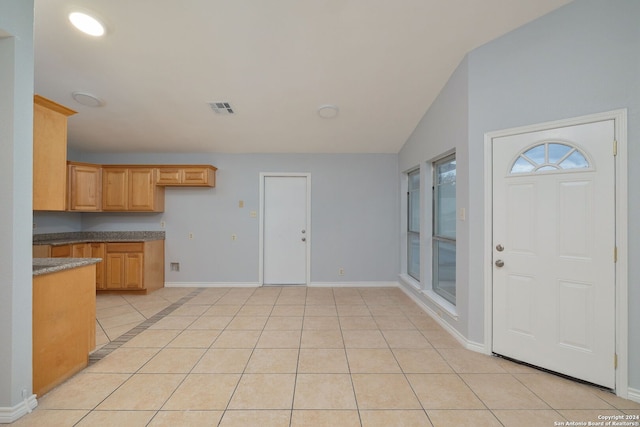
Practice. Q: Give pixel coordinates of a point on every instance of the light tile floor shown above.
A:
(293, 356)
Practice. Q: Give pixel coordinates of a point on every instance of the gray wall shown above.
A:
(16, 136)
(354, 216)
(583, 58)
(442, 130)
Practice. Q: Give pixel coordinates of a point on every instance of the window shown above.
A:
(549, 156)
(413, 225)
(444, 228)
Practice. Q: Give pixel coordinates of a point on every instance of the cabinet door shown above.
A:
(196, 176)
(115, 189)
(84, 188)
(141, 189)
(169, 176)
(115, 270)
(81, 250)
(49, 155)
(133, 270)
(98, 251)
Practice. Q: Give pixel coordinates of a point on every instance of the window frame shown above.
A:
(413, 235)
(438, 239)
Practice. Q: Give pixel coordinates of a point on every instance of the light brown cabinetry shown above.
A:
(134, 266)
(42, 251)
(75, 250)
(187, 176)
(61, 251)
(64, 325)
(131, 189)
(49, 155)
(98, 250)
(85, 187)
(81, 250)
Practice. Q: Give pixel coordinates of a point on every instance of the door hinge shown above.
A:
(615, 254)
(615, 147)
(615, 360)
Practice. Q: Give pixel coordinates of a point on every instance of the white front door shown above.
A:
(285, 230)
(553, 250)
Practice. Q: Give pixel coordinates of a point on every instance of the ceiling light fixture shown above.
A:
(328, 111)
(87, 24)
(87, 99)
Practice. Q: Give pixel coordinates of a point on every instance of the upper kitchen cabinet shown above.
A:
(187, 176)
(49, 154)
(85, 187)
(131, 189)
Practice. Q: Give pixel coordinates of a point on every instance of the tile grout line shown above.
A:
(106, 349)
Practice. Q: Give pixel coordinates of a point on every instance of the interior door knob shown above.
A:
(499, 263)
(499, 248)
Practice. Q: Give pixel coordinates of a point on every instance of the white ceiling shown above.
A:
(382, 62)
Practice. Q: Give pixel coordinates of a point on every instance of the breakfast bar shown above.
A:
(64, 316)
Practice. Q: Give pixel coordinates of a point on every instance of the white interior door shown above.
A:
(554, 242)
(285, 230)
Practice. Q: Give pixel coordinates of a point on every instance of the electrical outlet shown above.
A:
(35, 225)
(234, 237)
(190, 236)
(162, 224)
(253, 214)
(341, 271)
(174, 266)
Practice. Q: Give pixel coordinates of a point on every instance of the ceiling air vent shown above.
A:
(221, 107)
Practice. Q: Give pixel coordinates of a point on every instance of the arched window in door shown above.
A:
(550, 156)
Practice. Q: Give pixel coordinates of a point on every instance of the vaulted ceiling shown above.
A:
(161, 63)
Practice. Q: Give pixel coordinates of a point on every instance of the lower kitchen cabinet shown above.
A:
(98, 250)
(134, 266)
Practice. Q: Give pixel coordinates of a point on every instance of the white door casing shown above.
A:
(285, 232)
(554, 299)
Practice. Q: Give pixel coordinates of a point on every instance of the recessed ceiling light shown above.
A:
(328, 111)
(87, 99)
(87, 24)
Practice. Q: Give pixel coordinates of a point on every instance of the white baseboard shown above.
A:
(254, 285)
(468, 344)
(633, 394)
(354, 284)
(9, 415)
(211, 285)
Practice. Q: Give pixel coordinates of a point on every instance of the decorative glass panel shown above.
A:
(549, 156)
(574, 161)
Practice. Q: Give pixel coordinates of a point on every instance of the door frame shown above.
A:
(621, 226)
(264, 175)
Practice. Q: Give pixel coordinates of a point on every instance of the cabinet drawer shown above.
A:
(168, 176)
(63, 251)
(125, 247)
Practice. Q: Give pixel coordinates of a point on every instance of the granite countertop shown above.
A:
(56, 239)
(52, 265)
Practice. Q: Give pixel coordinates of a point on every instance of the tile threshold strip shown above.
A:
(105, 350)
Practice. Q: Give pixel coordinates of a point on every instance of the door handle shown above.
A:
(499, 263)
